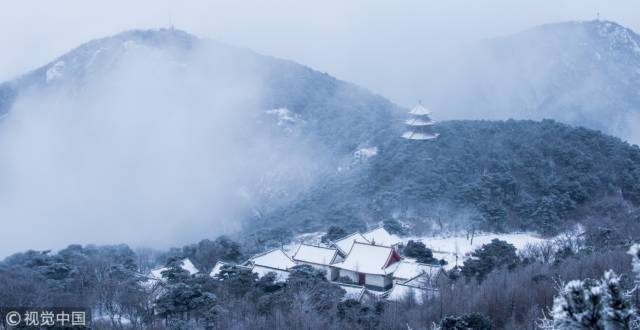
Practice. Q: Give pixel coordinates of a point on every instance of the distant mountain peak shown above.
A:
(618, 36)
(156, 37)
(583, 73)
(607, 33)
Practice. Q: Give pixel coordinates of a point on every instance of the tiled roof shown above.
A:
(315, 254)
(276, 258)
(344, 244)
(381, 236)
(406, 269)
(366, 258)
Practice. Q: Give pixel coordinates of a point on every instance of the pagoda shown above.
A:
(420, 125)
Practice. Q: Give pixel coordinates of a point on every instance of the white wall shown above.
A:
(388, 281)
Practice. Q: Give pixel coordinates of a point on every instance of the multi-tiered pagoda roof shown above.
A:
(420, 125)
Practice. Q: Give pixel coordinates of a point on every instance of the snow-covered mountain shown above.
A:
(582, 73)
(152, 128)
(326, 105)
(179, 137)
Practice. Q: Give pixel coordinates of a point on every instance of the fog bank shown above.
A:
(154, 148)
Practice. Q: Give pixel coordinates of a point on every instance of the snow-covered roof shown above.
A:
(344, 244)
(315, 254)
(405, 269)
(419, 136)
(381, 236)
(157, 273)
(367, 258)
(281, 275)
(419, 122)
(354, 292)
(401, 292)
(218, 267)
(419, 110)
(186, 265)
(276, 259)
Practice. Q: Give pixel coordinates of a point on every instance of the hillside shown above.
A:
(204, 136)
(166, 133)
(490, 175)
(338, 114)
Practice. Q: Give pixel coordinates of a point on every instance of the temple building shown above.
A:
(420, 125)
(366, 266)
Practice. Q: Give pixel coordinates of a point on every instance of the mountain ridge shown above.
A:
(489, 174)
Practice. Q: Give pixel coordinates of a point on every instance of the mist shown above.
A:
(161, 148)
(375, 44)
(155, 148)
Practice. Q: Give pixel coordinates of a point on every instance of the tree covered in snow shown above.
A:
(333, 233)
(494, 255)
(417, 249)
(473, 321)
(174, 272)
(394, 227)
(593, 304)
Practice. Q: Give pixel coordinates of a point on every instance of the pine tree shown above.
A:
(619, 313)
(577, 307)
(174, 272)
(593, 305)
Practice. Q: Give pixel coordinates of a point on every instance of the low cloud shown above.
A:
(158, 148)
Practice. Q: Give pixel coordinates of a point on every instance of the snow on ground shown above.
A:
(55, 71)
(131, 45)
(284, 115)
(365, 153)
(448, 247)
(443, 247)
(93, 57)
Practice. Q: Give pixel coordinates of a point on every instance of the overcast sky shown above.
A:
(372, 43)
